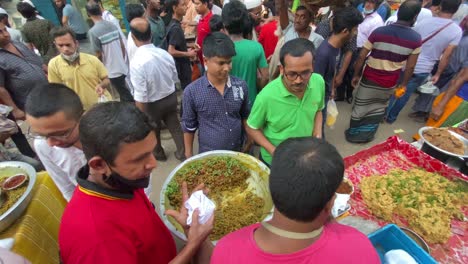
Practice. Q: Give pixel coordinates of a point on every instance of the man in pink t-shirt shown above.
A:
(305, 173)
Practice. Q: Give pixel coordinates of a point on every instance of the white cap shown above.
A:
(30, 3)
(252, 3)
(3, 11)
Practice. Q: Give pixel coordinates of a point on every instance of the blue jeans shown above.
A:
(396, 105)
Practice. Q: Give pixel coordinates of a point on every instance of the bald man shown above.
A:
(153, 75)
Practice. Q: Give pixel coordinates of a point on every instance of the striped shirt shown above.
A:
(105, 38)
(390, 47)
(19, 75)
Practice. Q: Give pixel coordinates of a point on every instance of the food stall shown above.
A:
(393, 154)
(32, 221)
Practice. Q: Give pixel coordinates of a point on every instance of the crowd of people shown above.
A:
(257, 74)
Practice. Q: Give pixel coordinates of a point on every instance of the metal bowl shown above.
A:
(258, 180)
(439, 153)
(19, 206)
(417, 238)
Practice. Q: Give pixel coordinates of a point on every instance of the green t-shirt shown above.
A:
(249, 57)
(281, 115)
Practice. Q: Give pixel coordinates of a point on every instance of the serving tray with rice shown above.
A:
(395, 156)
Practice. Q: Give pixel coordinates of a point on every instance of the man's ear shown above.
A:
(281, 69)
(99, 165)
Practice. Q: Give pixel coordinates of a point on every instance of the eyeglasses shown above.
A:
(64, 135)
(292, 76)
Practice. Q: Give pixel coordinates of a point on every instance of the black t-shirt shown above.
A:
(176, 38)
(326, 62)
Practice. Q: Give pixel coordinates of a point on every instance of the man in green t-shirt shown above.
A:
(250, 57)
(291, 105)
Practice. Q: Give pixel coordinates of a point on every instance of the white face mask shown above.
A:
(71, 58)
(367, 12)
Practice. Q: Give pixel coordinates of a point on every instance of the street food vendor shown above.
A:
(109, 218)
(305, 173)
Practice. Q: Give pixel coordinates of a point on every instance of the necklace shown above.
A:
(292, 235)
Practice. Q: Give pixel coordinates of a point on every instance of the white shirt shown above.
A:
(425, 13)
(370, 23)
(63, 165)
(153, 74)
(433, 48)
(131, 47)
(290, 33)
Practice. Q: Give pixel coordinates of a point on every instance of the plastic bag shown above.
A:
(332, 113)
(102, 99)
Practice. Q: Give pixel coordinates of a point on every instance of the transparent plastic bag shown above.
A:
(332, 113)
(103, 99)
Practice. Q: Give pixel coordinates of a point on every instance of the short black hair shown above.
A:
(346, 18)
(216, 23)
(305, 174)
(3, 16)
(409, 10)
(141, 35)
(93, 8)
(106, 126)
(436, 2)
(26, 10)
(133, 11)
(48, 99)
(218, 44)
(170, 4)
(296, 48)
(208, 2)
(235, 17)
(449, 6)
(299, 8)
(62, 31)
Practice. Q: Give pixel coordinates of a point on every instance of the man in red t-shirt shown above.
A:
(203, 8)
(305, 173)
(109, 218)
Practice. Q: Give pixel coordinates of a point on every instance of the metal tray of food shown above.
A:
(456, 135)
(261, 185)
(15, 211)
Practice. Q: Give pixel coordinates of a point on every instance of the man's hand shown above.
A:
(18, 114)
(355, 82)
(333, 93)
(191, 53)
(182, 215)
(437, 112)
(248, 145)
(188, 154)
(100, 90)
(435, 78)
(199, 232)
(338, 80)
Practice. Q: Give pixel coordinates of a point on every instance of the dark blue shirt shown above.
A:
(217, 117)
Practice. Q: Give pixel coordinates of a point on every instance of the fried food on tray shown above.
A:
(441, 138)
(226, 178)
(13, 195)
(427, 201)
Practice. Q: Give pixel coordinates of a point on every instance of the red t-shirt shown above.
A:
(96, 228)
(337, 244)
(203, 29)
(267, 37)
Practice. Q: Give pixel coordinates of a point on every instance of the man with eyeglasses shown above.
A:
(292, 104)
(54, 127)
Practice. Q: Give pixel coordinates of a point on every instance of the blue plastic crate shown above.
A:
(392, 237)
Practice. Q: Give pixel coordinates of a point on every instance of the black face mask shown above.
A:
(117, 181)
